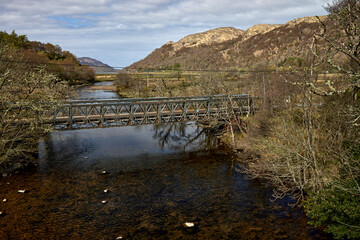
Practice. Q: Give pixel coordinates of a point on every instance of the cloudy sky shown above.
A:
(120, 32)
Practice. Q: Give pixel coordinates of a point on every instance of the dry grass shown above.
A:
(105, 77)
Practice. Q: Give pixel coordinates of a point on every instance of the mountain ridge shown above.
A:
(95, 64)
(260, 46)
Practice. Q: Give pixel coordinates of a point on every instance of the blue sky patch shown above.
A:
(72, 22)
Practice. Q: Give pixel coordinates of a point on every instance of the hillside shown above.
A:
(97, 65)
(18, 49)
(261, 46)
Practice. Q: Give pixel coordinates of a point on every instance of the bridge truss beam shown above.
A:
(125, 112)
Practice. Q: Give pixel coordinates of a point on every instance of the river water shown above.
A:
(142, 182)
(88, 93)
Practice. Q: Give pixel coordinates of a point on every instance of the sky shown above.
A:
(120, 32)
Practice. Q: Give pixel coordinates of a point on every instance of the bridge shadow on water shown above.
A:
(142, 182)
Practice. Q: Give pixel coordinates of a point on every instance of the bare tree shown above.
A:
(342, 33)
(28, 94)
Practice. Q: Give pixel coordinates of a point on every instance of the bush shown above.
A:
(124, 80)
(337, 209)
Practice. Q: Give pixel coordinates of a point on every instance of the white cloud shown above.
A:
(122, 31)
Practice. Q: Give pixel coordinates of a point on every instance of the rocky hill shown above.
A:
(97, 65)
(261, 46)
(217, 35)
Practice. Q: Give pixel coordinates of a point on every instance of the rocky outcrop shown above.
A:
(305, 20)
(210, 37)
(259, 29)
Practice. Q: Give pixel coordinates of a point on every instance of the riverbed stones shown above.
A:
(189, 224)
(190, 228)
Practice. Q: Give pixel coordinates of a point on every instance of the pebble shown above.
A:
(106, 190)
(86, 157)
(4, 200)
(22, 191)
(189, 224)
(2, 214)
(120, 237)
(103, 172)
(104, 202)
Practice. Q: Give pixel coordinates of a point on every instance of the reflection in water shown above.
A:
(184, 137)
(157, 178)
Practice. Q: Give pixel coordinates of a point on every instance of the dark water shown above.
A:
(157, 177)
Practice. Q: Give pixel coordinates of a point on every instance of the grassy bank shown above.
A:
(105, 77)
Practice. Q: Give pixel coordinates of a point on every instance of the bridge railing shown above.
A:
(137, 111)
(127, 100)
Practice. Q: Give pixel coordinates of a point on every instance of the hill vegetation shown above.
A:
(18, 49)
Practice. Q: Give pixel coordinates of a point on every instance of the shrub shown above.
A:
(337, 209)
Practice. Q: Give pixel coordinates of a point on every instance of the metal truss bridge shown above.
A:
(123, 112)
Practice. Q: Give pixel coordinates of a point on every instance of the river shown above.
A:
(142, 182)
